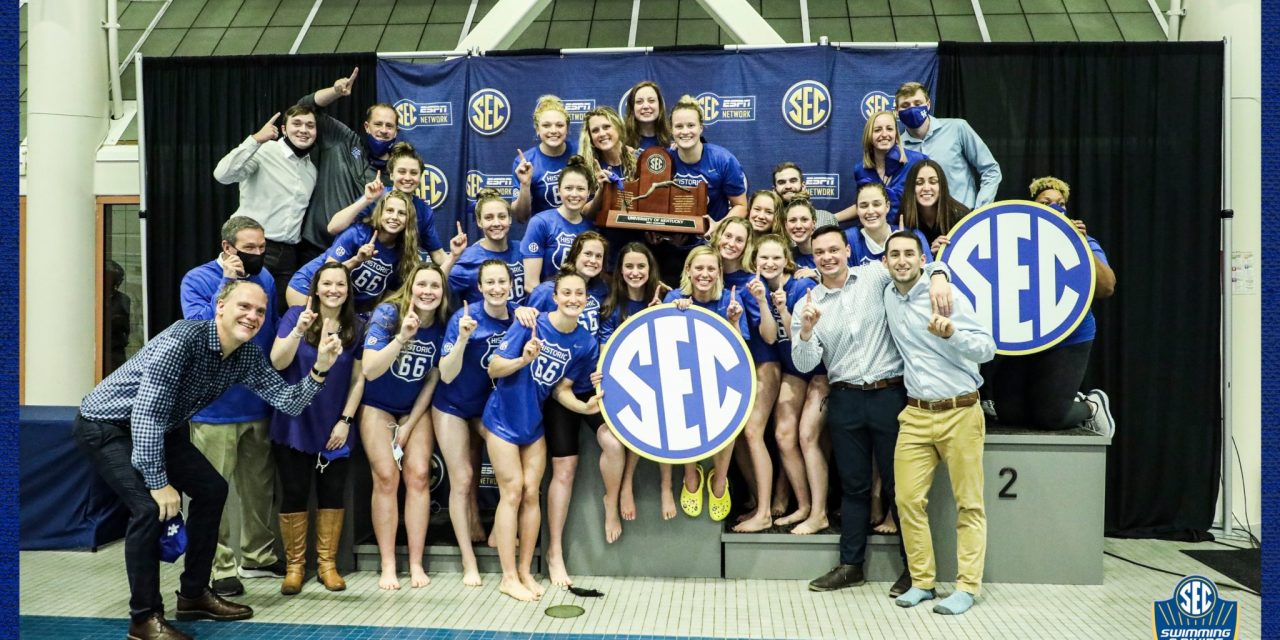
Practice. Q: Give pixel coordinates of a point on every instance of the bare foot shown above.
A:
(799, 515)
(532, 585)
(476, 529)
(471, 578)
(888, 527)
(493, 542)
(877, 513)
(668, 506)
(388, 580)
(418, 577)
(780, 504)
(512, 586)
(555, 569)
(815, 523)
(627, 503)
(612, 525)
(757, 522)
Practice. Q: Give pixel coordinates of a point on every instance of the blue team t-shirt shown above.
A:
(895, 170)
(615, 319)
(796, 289)
(719, 307)
(428, 237)
(369, 280)
(1088, 327)
(541, 298)
(864, 249)
(464, 277)
(513, 411)
(722, 173)
(761, 351)
(544, 182)
(397, 388)
(465, 396)
(549, 236)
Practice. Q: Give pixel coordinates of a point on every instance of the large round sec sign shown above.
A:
(1027, 270)
(678, 385)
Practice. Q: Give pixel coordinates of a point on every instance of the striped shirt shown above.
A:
(852, 336)
(176, 374)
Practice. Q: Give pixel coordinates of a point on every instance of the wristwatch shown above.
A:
(347, 419)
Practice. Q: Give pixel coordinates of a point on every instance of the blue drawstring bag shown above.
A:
(326, 456)
(173, 539)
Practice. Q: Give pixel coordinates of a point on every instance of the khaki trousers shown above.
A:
(240, 451)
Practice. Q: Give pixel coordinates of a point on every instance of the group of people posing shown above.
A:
(334, 309)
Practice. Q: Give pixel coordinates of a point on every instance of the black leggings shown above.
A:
(298, 471)
(1038, 391)
(562, 425)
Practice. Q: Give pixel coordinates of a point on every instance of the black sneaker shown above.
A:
(273, 570)
(841, 577)
(902, 585)
(230, 586)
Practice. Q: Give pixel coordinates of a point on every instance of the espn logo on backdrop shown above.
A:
(717, 108)
(806, 106)
(875, 101)
(578, 109)
(434, 187)
(488, 112)
(411, 115)
(504, 184)
(822, 186)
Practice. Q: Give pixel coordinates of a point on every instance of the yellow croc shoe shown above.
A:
(718, 507)
(691, 501)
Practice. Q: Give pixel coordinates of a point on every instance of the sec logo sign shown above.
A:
(488, 112)
(678, 385)
(1027, 270)
(434, 187)
(1195, 611)
(806, 106)
(874, 102)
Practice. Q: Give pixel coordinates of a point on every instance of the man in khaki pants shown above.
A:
(232, 431)
(942, 421)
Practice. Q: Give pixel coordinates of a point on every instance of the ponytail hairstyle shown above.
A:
(687, 101)
(686, 283)
(661, 127)
(407, 244)
(402, 298)
(403, 151)
(488, 195)
(577, 164)
(617, 299)
(549, 102)
(878, 186)
(593, 158)
(719, 234)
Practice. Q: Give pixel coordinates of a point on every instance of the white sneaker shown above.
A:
(989, 408)
(1102, 422)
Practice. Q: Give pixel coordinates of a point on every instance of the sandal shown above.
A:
(718, 507)
(691, 501)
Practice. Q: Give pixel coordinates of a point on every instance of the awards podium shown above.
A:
(653, 201)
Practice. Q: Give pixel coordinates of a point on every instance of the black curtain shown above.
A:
(1135, 129)
(195, 111)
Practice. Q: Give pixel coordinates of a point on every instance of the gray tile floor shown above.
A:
(93, 585)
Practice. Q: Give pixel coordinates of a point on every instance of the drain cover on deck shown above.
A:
(565, 611)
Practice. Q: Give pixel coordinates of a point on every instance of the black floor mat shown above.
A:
(1243, 566)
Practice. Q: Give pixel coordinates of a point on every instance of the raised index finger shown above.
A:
(521, 154)
(273, 119)
(466, 309)
(354, 72)
(309, 299)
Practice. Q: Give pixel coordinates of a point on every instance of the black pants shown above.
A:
(863, 424)
(1038, 391)
(109, 447)
(282, 261)
(297, 473)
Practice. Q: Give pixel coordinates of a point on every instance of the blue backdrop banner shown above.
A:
(467, 117)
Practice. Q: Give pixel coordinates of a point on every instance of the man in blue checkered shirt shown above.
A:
(133, 427)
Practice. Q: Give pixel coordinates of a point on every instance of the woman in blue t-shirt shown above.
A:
(731, 241)
(400, 369)
(646, 117)
(884, 161)
(493, 217)
(701, 283)
(1042, 390)
(380, 254)
(764, 211)
(798, 222)
(537, 171)
(867, 240)
(801, 408)
(551, 233)
(471, 337)
(312, 447)
(530, 366)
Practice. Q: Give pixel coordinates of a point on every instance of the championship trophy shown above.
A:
(653, 201)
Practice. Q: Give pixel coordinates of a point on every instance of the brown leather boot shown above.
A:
(293, 531)
(328, 534)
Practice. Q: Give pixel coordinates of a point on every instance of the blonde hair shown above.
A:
(868, 148)
(592, 159)
(687, 101)
(402, 298)
(547, 103)
(487, 195)
(407, 244)
(774, 198)
(686, 284)
(719, 235)
(1040, 185)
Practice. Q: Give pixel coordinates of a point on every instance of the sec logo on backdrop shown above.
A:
(1027, 270)
(678, 385)
(806, 105)
(875, 101)
(434, 187)
(488, 112)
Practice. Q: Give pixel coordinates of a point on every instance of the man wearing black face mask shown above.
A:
(347, 160)
(232, 431)
(276, 175)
